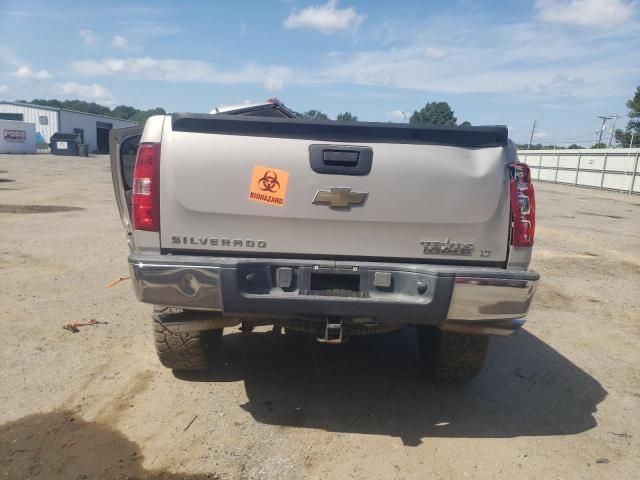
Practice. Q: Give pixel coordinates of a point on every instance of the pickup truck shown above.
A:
(251, 216)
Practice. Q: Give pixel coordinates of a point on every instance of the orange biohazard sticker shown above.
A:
(268, 185)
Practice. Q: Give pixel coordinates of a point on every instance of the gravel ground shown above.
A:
(559, 399)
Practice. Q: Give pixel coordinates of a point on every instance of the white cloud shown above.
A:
(407, 68)
(587, 13)
(275, 78)
(327, 18)
(26, 73)
(94, 92)
(88, 37)
(119, 41)
(3, 89)
(176, 70)
(141, 27)
(273, 84)
(560, 84)
(7, 56)
(398, 115)
(434, 53)
(476, 55)
(446, 55)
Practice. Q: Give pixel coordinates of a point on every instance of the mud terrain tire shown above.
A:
(192, 350)
(451, 357)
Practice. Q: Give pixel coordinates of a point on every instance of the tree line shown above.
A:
(540, 146)
(440, 113)
(632, 129)
(121, 111)
(435, 113)
(318, 115)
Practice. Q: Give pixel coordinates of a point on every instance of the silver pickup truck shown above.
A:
(252, 216)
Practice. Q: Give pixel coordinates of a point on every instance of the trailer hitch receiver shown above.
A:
(332, 332)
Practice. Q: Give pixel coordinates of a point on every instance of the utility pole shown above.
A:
(613, 131)
(604, 121)
(631, 142)
(533, 129)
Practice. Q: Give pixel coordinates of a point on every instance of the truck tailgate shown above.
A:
(248, 186)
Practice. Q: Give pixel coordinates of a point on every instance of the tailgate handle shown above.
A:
(340, 159)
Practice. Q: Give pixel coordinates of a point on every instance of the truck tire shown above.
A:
(451, 357)
(184, 350)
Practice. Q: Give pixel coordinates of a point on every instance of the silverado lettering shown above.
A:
(218, 242)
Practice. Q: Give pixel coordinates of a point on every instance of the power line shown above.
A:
(583, 135)
(575, 141)
(572, 132)
(613, 129)
(604, 121)
(549, 139)
(533, 129)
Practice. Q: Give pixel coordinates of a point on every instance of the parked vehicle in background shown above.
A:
(252, 216)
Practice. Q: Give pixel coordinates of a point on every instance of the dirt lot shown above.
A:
(559, 399)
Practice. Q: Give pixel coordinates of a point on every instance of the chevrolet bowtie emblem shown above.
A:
(338, 197)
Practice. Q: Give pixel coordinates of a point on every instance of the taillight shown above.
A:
(523, 205)
(146, 188)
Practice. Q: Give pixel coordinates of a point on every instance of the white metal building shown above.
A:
(17, 137)
(93, 129)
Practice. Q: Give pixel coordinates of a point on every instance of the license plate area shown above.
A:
(335, 284)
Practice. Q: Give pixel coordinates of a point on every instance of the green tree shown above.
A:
(574, 146)
(623, 137)
(314, 115)
(346, 117)
(77, 105)
(435, 113)
(634, 112)
(538, 146)
(599, 145)
(46, 103)
(89, 107)
(465, 124)
(141, 116)
(124, 111)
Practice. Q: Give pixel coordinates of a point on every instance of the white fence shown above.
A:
(609, 169)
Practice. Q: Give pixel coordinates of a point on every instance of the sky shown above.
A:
(560, 62)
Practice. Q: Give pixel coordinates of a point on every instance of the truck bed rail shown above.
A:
(329, 131)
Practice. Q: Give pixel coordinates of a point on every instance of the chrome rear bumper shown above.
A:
(478, 298)
(420, 294)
